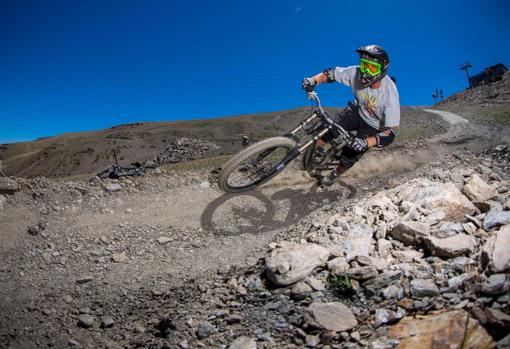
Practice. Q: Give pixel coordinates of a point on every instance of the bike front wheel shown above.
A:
(256, 164)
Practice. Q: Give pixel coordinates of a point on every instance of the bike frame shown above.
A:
(327, 123)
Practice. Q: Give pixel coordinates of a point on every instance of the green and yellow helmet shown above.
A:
(374, 63)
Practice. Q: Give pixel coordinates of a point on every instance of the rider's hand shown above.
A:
(357, 144)
(309, 84)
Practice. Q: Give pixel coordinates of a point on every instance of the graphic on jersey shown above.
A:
(370, 103)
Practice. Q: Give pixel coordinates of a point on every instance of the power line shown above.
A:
(120, 94)
(176, 91)
(136, 91)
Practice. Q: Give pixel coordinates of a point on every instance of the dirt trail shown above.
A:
(451, 118)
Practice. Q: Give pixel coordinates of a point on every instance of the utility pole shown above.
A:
(435, 95)
(465, 66)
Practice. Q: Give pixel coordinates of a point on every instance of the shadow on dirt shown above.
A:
(258, 212)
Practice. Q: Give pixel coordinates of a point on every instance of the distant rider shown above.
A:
(375, 115)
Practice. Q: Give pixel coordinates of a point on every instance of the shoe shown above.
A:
(328, 180)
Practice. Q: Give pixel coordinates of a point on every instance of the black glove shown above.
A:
(358, 145)
(308, 84)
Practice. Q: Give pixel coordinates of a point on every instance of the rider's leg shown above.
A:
(349, 156)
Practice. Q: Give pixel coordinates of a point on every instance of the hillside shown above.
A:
(489, 103)
(88, 152)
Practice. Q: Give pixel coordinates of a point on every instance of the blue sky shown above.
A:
(77, 65)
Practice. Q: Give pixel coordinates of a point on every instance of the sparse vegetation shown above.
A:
(340, 284)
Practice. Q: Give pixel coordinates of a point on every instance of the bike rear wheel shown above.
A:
(255, 165)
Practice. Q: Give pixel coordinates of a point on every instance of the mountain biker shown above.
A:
(375, 115)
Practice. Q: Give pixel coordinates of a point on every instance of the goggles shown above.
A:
(370, 67)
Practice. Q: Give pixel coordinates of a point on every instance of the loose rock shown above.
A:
(495, 251)
(120, 257)
(243, 343)
(294, 262)
(86, 321)
(410, 232)
(446, 330)
(8, 186)
(478, 190)
(333, 316)
(495, 219)
(205, 329)
(453, 246)
(423, 288)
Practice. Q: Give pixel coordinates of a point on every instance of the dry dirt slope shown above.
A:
(88, 152)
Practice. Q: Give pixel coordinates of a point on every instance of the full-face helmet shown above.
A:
(374, 63)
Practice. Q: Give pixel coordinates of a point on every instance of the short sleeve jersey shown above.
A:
(379, 107)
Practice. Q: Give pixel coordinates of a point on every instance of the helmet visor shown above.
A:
(372, 68)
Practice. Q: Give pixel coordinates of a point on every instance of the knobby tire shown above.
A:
(232, 165)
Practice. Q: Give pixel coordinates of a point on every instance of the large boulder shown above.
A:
(437, 196)
(293, 262)
(445, 330)
(450, 247)
(334, 316)
(495, 253)
(478, 190)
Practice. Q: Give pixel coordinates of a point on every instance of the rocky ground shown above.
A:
(408, 250)
(185, 149)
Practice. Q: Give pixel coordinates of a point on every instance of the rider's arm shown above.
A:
(320, 78)
(328, 75)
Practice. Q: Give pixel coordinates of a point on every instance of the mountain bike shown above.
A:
(262, 161)
(115, 171)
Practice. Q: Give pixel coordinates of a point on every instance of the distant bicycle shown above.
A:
(116, 171)
(262, 161)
